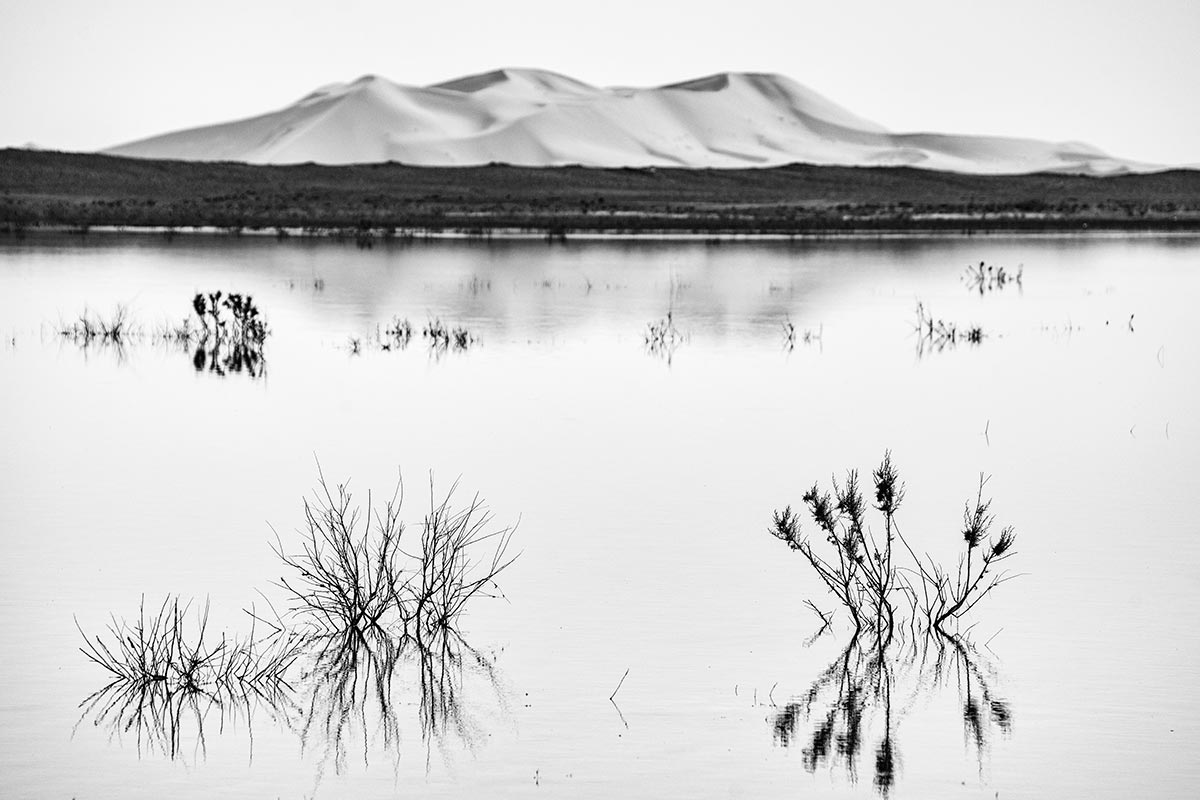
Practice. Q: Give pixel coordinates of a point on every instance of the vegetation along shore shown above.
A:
(77, 190)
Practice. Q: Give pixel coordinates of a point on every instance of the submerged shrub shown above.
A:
(229, 337)
(170, 648)
(397, 334)
(939, 334)
(352, 575)
(862, 573)
(89, 328)
(244, 324)
(442, 338)
(361, 610)
(988, 277)
(662, 336)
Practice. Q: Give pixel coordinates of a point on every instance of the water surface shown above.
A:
(643, 484)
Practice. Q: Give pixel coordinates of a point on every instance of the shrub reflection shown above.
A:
(860, 699)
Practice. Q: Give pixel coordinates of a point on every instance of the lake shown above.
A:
(642, 482)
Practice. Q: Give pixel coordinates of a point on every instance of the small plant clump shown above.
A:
(987, 278)
(442, 338)
(351, 574)
(89, 328)
(244, 325)
(229, 336)
(396, 335)
(360, 608)
(164, 648)
(227, 333)
(662, 336)
(947, 595)
(862, 571)
(938, 334)
(791, 334)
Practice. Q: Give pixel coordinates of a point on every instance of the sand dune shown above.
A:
(538, 118)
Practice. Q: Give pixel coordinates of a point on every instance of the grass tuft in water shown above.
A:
(662, 337)
(442, 337)
(988, 277)
(396, 335)
(939, 334)
(174, 648)
(89, 328)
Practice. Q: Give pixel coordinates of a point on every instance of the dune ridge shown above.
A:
(530, 117)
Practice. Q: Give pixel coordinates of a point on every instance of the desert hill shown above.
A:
(528, 117)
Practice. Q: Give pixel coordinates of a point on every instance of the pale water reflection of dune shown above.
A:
(539, 118)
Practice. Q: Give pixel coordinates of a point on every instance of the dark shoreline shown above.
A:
(79, 192)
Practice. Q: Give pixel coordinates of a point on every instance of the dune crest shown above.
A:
(531, 117)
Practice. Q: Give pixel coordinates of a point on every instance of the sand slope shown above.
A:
(538, 118)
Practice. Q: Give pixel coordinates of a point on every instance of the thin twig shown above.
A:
(619, 684)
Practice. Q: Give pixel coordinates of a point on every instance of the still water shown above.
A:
(642, 484)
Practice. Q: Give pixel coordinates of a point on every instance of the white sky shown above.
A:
(1122, 75)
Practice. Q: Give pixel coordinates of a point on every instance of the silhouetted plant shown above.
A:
(164, 648)
(349, 570)
(862, 572)
(88, 328)
(986, 277)
(167, 673)
(245, 325)
(396, 335)
(938, 334)
(791, 335)
(662, 337)
(225, 342)
(335, 682)
(352, 575)
(947, 597)
(442, 338)
(449, 571)
(360, 609)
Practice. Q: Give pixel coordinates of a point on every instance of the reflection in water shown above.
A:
(356, 684)
(936, 335)
(662, 337)
(865, 693)
(791, 335)
(168, 675)
(990, 278)
(92, 331)
(233, 359)
(442, 337)
(343, 689)
(369, 623)
(226, 335)
(396, 335)
(225, 342)
(439, 337)
(161, 718)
